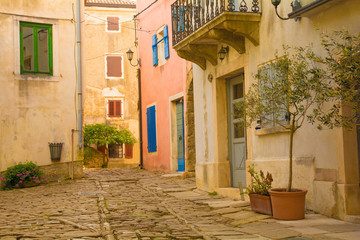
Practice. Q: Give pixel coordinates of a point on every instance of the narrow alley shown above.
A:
(137, 204)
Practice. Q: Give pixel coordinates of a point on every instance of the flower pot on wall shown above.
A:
(55, 151)
(288, 205)
(260, 203)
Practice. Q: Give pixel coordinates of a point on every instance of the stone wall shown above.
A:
(190, 126)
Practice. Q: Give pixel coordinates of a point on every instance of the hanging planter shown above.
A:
(55, 151)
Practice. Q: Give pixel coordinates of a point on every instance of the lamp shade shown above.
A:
(275, 2)
(130, 55)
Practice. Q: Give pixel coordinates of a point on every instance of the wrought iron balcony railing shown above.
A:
(190, 15)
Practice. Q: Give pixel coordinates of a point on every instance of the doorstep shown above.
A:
(233, 193)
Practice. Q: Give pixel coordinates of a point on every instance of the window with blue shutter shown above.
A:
(151, 129)
(154, 49)
(166, 42)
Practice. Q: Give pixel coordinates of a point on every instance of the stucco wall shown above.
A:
(160, 85)
(321, 157)
(99, 44)
(36, 110)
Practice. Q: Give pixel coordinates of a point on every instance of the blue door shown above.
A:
(180, 135)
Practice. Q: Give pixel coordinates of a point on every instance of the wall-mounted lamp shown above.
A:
(222, 53)
(130, 55)
(295, 5)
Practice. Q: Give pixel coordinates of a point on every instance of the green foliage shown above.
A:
(213, 193)
(342, 64)
(306, 87)
(102, 135)
(260, 184)
(22, 175)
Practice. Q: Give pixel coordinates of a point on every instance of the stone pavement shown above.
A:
(137, 204)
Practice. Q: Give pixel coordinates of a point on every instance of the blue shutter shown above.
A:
(166, 42)
(154, 48)
(151, 129)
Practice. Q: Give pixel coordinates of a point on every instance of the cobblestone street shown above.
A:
(137, 204)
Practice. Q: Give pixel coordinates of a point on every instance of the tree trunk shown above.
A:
(292, 131)
(107, 156)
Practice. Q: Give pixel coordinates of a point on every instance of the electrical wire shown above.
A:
(116, 51)
(105, 20)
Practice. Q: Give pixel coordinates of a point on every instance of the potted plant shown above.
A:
(299, 87)
(258, 191)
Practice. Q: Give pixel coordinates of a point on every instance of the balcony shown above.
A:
(198, 26)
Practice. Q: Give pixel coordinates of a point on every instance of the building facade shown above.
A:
(166, 93)
(38, 82)
(250, 33)
(112, 92)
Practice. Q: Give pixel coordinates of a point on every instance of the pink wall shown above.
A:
(158, 83)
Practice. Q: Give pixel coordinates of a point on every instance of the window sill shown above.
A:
(272, 130)
(37, 78)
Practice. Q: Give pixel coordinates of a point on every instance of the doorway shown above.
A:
(237, 135)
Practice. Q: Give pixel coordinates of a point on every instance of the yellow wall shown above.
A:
(322, 158)
(100, 43)
(36, 110)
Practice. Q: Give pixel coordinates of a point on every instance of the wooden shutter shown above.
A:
(154, 49)
(113, 66)
(101, 149)
(166, 42)
(128, 151)
(151, 129)
(111, 108)
(118, 108)
(112, 23)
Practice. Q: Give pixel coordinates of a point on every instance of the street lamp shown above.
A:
(295, 5)
(130, 55)
(222, 53)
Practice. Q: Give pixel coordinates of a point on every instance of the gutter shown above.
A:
(79, 72)
(307, 8)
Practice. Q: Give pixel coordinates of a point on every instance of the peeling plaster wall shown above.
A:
(99, 88)
(326, 161)
(36, 111)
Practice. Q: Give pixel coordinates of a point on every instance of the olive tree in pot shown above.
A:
(301, 86)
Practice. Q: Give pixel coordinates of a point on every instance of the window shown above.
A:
(112, 24)
(128, 151)
(115, 151)
(160, 47)
(271, 117)
(36, 48)
(151, 129)
(114, 108)
(114, 66)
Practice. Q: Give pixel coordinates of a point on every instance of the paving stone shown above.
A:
(339, 228)
(309, 230)
(133, 202)
(345, 235)
(280, 233)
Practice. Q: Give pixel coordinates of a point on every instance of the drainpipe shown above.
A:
(79, 72)
(140, 120)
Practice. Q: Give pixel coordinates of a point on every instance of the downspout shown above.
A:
(79, 72)
(140, 119)
(139, 86)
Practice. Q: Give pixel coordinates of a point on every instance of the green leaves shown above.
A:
(260, 184)
(103, 135)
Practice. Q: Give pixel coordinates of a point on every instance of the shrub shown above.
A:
(22, 175)
(260, 184)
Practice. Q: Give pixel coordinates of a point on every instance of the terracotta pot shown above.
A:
(260, 203)
(288, 205)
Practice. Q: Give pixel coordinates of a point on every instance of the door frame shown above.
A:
(173, 131)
